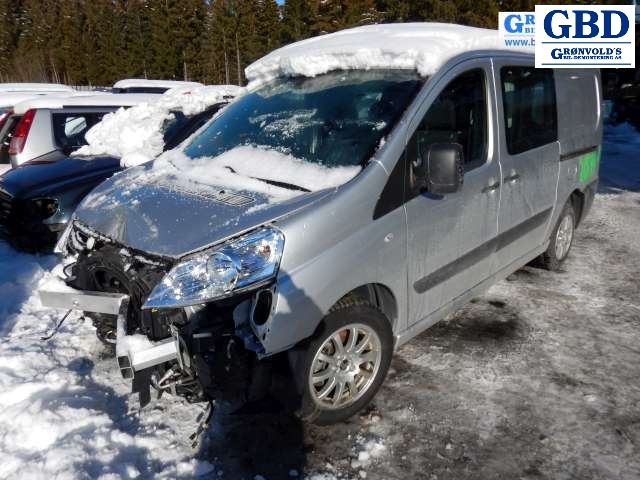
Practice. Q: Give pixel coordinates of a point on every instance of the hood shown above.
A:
(45, 178)
(171, 217)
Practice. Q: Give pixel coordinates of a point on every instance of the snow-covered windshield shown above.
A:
(334, 120)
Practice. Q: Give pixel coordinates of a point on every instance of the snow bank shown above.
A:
(247, 168)
(63, 406)
(135, 134)
(417, 46)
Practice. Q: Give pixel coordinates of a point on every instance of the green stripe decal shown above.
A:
(588, 165)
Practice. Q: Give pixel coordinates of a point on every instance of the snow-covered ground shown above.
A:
(536, 379)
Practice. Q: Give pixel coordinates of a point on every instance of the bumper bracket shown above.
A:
(134, 353)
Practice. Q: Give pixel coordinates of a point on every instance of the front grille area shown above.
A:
(20, 228)
(6, 202)
(104, 266)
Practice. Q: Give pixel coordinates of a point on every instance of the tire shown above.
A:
(361, 366)
(561, 239)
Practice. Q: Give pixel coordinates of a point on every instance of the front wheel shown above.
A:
(561, 239)
(344, 365)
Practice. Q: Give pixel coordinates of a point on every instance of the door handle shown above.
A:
(491, 188)
(512, 178)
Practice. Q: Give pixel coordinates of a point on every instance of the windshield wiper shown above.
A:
(275, 183)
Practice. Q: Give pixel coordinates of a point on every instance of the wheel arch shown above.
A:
(577, 199)
(378, 295)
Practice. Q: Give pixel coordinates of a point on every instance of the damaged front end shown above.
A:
(191, 327)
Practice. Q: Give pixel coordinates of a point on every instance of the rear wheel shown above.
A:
(561, 239)
(344, 365)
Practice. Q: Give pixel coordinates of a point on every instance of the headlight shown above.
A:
(233, 266)
(43, 208)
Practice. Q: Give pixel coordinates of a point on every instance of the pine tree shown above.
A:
(219, 38)
(36, 42)
(336, 15)
(136, 37)
(297, 18)
(8, 20)
(67, 38)
(100, 41)
(268, 33)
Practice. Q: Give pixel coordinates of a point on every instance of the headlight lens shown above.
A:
(43, 208)
(216, 273)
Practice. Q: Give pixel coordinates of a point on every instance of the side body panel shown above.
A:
(450, 238)
(324, 260)
(580, 122)
(529, 180)
(336, 246)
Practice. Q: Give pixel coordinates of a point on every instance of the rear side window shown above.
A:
(140, 90)
(69, 129)
(530, 112)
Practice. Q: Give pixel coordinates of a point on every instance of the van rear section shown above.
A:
(580, 123)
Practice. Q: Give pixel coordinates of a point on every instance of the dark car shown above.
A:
(38, 198)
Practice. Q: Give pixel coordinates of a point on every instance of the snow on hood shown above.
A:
(417, 46)
(175, 204)
(135, 135)
(247, 167)
(164, 213)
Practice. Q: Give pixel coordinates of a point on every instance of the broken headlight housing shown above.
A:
(236, 265)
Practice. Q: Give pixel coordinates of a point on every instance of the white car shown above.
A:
(51, 127)
(35, 87)
(12, 94)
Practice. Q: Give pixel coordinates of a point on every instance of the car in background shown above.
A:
(142, 85)
(35, 87)
(9, 98)
(37, 199)
(52, 127)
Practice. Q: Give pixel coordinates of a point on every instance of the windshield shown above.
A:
(335, 120)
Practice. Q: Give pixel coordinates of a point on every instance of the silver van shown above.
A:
(402, 195)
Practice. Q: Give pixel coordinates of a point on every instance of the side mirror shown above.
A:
(444, 168)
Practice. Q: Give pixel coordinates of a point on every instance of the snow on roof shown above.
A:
(86, 99)
(30, 87)
(424, 47)
(143, 82)
(136, 135)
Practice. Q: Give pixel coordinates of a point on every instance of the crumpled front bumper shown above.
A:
(133, 352)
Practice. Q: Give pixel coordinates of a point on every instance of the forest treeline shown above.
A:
(96, 42)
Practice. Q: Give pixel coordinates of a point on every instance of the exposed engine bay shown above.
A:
(215, 352)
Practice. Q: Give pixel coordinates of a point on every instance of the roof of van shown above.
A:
(143, 82)
(424, 47)
(30, 87)
(92, 99)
